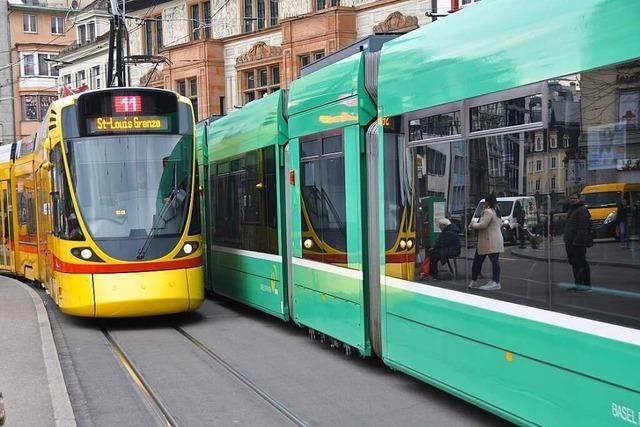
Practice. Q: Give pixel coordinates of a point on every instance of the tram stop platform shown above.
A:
(31, 380)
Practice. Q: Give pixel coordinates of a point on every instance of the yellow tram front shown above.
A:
(126, 235)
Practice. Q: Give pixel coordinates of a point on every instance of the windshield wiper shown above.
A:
(176, 195)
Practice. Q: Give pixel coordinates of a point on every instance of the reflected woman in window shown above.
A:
(490, 243)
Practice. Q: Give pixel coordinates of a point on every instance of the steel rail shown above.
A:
(151, 397)
(244, 379)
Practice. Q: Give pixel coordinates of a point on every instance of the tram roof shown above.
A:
(332, 83)
(256, 125)
(499, 44)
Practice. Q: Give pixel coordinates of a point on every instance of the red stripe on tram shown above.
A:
(137, 267)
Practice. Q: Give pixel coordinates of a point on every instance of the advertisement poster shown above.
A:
(606, 146)
(438, 212)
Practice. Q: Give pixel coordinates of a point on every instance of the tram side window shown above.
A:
(65, 221)
(243, 198)
(322, 189)
(26, 208)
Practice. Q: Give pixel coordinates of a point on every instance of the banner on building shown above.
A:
(606, 145)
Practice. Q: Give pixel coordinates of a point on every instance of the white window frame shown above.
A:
(85, 26)
(539, 165)
(94, 77)
(538, 144)
(36, 64)
(33, 30)
(78, 81)
(59, 25)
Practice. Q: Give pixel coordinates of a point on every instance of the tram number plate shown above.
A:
(127, 104)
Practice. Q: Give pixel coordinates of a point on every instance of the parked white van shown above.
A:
(510, 209)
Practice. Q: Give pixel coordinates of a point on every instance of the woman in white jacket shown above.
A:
(490, 244)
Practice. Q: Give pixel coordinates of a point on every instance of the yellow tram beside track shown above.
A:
(100, 205)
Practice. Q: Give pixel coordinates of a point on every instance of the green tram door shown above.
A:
(326, 179)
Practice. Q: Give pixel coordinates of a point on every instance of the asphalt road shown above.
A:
(320, 385)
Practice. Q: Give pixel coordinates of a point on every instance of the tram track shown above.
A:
(138, 379)
(279, 406)
(155, 402)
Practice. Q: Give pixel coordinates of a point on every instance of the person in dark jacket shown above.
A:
(622, 217)
(447, 245)
(577, 238)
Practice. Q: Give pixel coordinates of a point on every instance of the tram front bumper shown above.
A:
(138, 294)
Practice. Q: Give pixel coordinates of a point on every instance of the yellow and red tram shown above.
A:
(98, 206)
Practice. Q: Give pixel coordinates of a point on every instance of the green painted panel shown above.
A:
(253, 265)
(265, 294)
(257, 125)
(334, 82)
(504, 383)
(201, 144)
(333, 116)
(532, 41)
(332, 316)
(353, 188)
(571, 350)
(343, 287)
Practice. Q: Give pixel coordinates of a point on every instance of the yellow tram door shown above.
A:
(6, 240)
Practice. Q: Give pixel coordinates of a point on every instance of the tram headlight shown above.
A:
(187, 249)
(86, 253)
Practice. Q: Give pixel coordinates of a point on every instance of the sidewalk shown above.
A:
(606, 253)
(30, 376)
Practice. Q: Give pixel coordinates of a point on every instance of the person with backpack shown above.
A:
(577, 238)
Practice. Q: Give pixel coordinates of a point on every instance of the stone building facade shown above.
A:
(38, 30)
(83, 63)
(225, 53)
(6, 87)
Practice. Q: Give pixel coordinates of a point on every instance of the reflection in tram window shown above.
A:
(243, 194)
(438, 187)
(586, 141)
(26, 208)
(322, 186)
(596, 113)
(512, 112)
(65, 220)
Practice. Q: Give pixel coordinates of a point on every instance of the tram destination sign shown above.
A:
(127, 124)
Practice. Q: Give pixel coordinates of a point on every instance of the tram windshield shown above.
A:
(131, 186)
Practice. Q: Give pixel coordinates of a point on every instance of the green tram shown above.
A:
(321, 205)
